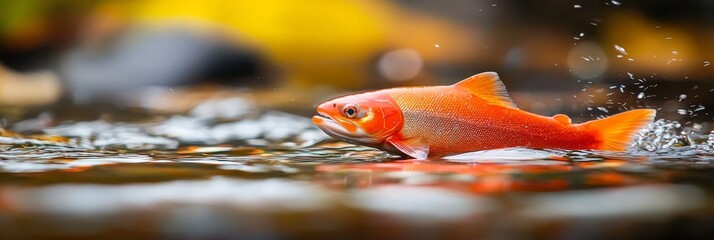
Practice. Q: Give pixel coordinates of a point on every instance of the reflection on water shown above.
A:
(270, 175)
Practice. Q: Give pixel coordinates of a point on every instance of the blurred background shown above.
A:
(187, 119)
(587, 58)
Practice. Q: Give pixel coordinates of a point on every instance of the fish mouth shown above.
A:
(322, 118)
(325, 122)
(333, 128)
(328, 125)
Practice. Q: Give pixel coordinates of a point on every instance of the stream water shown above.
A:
(273, 175)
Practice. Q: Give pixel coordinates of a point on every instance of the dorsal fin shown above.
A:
(488, 87)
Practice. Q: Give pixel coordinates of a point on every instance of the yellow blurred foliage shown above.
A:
(330, 42)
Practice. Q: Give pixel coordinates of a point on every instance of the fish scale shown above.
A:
(446, 118)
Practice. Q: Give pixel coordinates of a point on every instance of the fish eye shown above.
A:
(350, 110)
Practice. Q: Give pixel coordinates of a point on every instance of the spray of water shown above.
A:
(664, 136)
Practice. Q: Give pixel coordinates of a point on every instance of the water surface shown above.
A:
(270, 175)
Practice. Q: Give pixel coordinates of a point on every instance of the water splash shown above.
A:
(660, 136)
(709, 145)
(665, 136)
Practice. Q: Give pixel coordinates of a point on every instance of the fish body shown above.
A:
(474, 114)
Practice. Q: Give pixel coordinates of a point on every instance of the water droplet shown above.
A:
(620, 49)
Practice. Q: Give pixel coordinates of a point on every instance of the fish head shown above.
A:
(367, 118)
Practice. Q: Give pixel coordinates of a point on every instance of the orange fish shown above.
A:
(471, 115)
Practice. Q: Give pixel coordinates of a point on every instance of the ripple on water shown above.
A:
(297, 142)
(205, 170)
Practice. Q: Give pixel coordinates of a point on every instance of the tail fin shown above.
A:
(618, 130)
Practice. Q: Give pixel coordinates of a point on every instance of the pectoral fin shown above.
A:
(412, 147)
